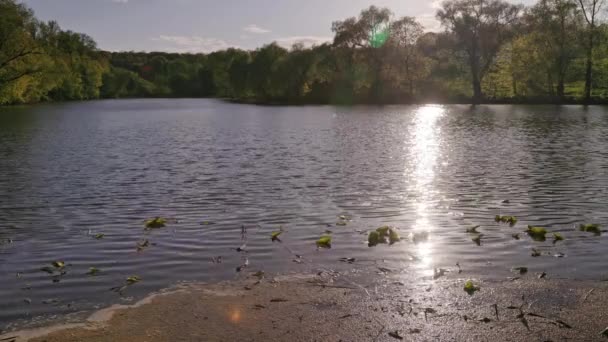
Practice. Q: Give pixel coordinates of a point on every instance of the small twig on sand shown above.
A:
(587, 295)
(334, 286)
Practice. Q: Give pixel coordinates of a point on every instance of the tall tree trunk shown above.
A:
(589, 69)
(477, 94)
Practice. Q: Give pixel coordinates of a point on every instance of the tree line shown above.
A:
(487, 51)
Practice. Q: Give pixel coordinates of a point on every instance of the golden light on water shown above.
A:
(424, 158)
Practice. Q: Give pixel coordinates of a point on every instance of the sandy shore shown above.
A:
(338, 307)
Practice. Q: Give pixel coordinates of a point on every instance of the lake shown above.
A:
(228, 175)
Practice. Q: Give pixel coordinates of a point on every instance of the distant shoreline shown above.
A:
(304, 103)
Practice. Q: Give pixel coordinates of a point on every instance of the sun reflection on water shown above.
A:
(424, 157)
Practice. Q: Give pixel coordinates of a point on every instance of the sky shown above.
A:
(210, 25)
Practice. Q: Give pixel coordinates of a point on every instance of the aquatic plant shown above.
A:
(591, 228)
(324, 242)
(384, 234)
(537, 233)
(557, 237)
(470, 287)
(512, 220)
(133, 279)
(157, 222)
(275, 235)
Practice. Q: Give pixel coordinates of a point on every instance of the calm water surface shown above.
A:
(70, 171)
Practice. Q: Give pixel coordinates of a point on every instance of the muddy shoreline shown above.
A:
(350, 306)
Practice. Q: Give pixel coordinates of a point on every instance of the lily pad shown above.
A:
(133, 279)
(537, 233)
(591, 228)
(155, 223)
(324, 242)
(473, 230)
(275, 236)
(470, 287)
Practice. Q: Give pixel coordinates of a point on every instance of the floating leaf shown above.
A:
(157, 222)
(515, 236)
(470, 288)
(512, 220)
(324, 242)
(100, 236)
(536, 253)
(93, 271)
(373, 239)
(591, 228)
(557, 237)
(341, 223)
(537, 233)
(393, 236)
(473, 230)
(383, 231)
(58, 264)
(275, 236)
(343, 217)
(133, 279)
(542, 275)
(206, 223)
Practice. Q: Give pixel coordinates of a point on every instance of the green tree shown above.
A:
(480, 27)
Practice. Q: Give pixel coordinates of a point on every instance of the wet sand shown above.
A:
(345, 307)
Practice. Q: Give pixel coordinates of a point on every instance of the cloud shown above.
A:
(253, 28)
(307, 41)
(193, 44)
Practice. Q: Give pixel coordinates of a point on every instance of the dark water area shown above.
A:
(71, 171)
